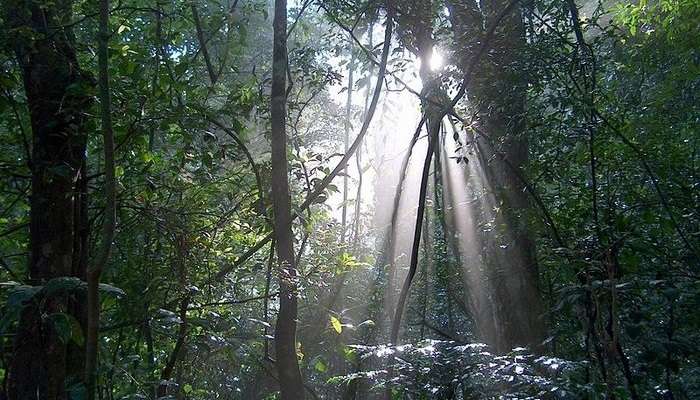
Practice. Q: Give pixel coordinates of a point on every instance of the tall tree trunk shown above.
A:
(109, 223)
(57, 96)
(498, 96)
(444, 274)
(346, 143)
(358, 156)
(418, 17)
(182, 247)
(291, 384)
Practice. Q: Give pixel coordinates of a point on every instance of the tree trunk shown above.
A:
(108, 225)
(57, 96)
(179, 351)
(346, 143)
(497, 94)
(291, 384)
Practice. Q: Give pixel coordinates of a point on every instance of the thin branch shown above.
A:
(14, 229)
(110, 219)
(235, 301)
(301, 12)
(203, 44)
(258, 179)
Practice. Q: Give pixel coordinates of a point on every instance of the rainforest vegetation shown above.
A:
(349, 199)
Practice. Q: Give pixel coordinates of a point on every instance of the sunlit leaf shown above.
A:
(320, 366)
(337, 326)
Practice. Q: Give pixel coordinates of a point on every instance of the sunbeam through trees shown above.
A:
(349, 199)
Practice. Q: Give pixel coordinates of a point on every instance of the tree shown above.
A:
(291, 384)
(511, 313)
(562, 129)
(58, 94)
(95, 271)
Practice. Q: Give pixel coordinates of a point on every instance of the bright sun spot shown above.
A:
(436, 61)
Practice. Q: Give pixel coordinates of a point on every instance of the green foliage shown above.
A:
(336, 325)
(190, 206)
(445, 369)
(67, 327)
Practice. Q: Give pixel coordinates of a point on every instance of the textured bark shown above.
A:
(56, 90)
(291, 384)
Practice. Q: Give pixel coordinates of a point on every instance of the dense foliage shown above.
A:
(189, 297)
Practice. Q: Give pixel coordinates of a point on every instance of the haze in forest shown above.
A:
(356, 200)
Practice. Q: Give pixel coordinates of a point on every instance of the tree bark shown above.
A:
(291, 384)
(57, 95)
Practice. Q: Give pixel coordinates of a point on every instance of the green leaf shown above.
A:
(147, 157)
(67, 327)
(63, 285)
(337, 326)
(16, 299)
(62, 325)
(111, 290)
(320, 366)
(349, 354)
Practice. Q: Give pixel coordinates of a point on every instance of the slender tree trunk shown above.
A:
(150, 357)
(346, 142)
(77, 306)
(44, 46)
(427, 266)
(266, 301)
(321, 186)
(403, 294)
(109, 223)
(358, 156)
(444, 275)
(179, 351)
(291, 384)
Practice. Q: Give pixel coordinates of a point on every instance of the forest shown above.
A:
(349, 199)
